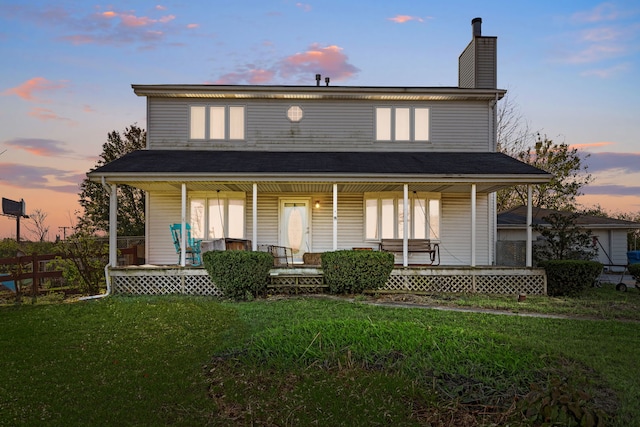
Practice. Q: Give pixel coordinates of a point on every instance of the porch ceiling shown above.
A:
(313, 187)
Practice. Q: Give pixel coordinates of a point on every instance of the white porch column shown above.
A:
(405, 227)
(529, 225)
(113, 226)
(254, 239)
(335, 217)
(473, 225)
(183, 229)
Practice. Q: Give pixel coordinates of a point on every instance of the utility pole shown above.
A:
(64, 231)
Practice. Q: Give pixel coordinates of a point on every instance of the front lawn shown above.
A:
(304, 361)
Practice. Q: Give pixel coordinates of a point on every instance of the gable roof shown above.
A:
(517, 218)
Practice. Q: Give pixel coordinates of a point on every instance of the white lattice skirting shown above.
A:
(490, 280)
(162, 281)
(195, 281)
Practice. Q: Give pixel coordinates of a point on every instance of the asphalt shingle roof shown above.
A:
(518, 217)
(430, 163)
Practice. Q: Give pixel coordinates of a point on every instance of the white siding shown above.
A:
(326, 126)
(614, 243)
(455, 242)
(164, 210)
(455, 246)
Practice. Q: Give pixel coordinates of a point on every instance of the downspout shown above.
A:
(112, 208)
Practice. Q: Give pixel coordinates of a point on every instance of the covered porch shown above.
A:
(345, 200)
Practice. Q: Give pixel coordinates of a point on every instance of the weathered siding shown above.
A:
(327, 125)
(477, 65)
(466, 67)
(486, 57)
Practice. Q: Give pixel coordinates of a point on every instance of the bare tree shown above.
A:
(566, 164)
(36, 225)
(513, 132)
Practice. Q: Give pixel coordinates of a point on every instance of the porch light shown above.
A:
(317, 204)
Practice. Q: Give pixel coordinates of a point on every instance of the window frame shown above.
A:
(393, 127)
(228, 132)
(225, 198)
(431, 231)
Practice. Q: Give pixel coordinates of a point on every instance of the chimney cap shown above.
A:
(476, 24)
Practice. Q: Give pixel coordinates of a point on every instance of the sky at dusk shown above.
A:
(572, 68)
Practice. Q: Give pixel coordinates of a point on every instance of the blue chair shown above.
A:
(193, 245)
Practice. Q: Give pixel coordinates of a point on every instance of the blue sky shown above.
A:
(572, 69)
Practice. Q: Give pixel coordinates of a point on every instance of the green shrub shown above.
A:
(570, 277)
(634, 270)
(240, 275)
(351, 272)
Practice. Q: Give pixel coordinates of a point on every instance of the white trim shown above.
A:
(473, 225)
(113, 226)
(183, 229)
(405, 227)
(335, 216)
(254, 240)
(529, 261)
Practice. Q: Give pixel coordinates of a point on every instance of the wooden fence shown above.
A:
(28, 269)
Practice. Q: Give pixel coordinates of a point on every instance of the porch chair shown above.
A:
(193, 245)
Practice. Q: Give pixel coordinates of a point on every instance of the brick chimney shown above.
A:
(477, 63)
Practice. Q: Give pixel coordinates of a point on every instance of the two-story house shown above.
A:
(322, 167)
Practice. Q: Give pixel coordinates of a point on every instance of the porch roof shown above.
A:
(516, 218)
(494, 170)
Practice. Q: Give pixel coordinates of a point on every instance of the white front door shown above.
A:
(294, 226)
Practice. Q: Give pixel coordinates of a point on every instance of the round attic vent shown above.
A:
(294, 113)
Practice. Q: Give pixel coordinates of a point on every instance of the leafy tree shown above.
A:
(569, 176)
(95, 200)
(563, 239)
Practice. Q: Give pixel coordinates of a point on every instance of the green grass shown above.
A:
(596, 303)
(301, 361)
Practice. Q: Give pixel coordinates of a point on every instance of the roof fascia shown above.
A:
(322, 92)
(323, 177)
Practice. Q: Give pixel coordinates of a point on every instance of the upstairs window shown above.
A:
(384, 216)
(217, 122)
(402, 124)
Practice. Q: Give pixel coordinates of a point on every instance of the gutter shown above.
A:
(106, 267)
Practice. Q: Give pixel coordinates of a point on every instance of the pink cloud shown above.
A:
(45, 114)
(192, 26)
(35, 177)
(329, 60)
(87, 109)
(592, 145)
(260, 76)
(401, 19)
(31, 87)
(39, 147)
(300, 67)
